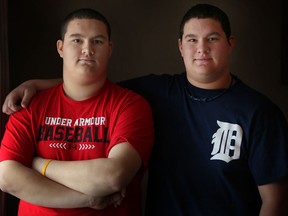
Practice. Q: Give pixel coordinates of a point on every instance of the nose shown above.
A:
(203, 47)
(87, 50)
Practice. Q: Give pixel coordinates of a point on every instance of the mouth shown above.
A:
(202, 61)
(86, 60)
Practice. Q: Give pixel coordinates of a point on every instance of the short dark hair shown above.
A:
(84, 13)
(202, 11)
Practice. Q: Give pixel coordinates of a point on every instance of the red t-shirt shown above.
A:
(55, 127)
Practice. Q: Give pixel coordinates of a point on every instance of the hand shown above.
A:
(103, 202)
(18, 98)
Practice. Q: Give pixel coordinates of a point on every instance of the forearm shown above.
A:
(274, 210)
(21, 96)
(91, 177)
(97, 177)
(274, 198)
(41, 84)
(28, 185)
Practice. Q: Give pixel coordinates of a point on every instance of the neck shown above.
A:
(223, 82)
(209, 94)
(82, 92)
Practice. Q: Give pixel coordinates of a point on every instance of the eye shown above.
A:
(192, 40)
(97, 41)
(76, 40)
(211, 39)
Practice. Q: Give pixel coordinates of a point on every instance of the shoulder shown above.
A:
(149, 80)
(152, 84)
(254, 101)
(52, 90)
(45, 96)
(251, 95)
(123, 95)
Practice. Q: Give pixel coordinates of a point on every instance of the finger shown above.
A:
(7, 111)
(10, 109)
(13, 107)
(5, 108)
(27, 96)
(123, 192)
(118, 203)
(115, 199)
(10, 104)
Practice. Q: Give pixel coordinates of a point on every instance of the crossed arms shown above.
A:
(104, 178)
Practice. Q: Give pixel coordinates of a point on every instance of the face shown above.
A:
(205, 51)
(85, 50)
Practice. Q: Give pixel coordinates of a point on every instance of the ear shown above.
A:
(110, 48)
(59, 45)
(231, 42)
(180, 46)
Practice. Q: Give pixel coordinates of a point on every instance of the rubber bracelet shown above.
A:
(45, 167)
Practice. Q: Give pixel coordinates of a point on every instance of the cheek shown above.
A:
(188, 48)
(221, 54)
(104, 55)
(188, 53)
(67, 51)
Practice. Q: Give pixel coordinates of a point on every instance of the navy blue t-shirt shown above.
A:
(212, 147)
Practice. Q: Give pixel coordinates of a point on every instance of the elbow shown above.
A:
(122, 175)
(110, 184)
(114, 177)
(114, 181)
(117, 181)
(120, 178)
(4, 182)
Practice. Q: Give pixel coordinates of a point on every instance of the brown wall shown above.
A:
(145, 39)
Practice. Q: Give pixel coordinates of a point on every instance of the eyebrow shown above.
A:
(79, 35)
(209, 35)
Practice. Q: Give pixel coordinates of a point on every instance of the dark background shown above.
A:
(145, 37)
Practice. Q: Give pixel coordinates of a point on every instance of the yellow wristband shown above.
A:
(45, 167)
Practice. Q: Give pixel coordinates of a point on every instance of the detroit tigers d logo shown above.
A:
(226, 142)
